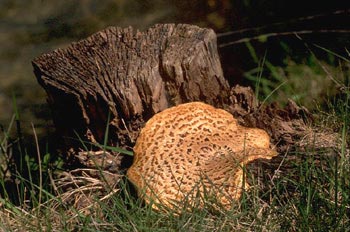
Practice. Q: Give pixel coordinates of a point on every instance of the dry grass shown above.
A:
(307, 197)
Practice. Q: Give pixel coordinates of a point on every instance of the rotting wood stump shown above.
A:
(121, 77)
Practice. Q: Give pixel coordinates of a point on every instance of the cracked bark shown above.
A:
(122, 77)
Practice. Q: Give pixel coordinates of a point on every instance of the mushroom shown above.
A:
(193, 150)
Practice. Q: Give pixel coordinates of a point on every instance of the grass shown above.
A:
(311, 194)
(303, 82)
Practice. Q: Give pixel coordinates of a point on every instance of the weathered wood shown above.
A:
(129, 76)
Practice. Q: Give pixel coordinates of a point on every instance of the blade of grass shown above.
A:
(10, 206)
(39, 164)
(272, 92)
(261, 68)
(105, 140)
(333, 53)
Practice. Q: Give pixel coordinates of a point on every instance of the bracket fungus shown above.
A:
(193, 150)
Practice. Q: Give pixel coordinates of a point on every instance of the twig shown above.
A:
(274, 34)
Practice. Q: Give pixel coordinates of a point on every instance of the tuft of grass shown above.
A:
(305, 83)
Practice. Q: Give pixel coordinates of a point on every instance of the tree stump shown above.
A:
(121, 77)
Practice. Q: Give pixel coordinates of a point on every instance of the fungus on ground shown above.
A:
(192, 150)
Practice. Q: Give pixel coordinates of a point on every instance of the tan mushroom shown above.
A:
(193, 150)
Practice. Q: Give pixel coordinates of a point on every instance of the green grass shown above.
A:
(304, 82)
(311, 194)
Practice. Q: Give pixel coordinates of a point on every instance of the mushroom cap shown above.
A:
(193, 149)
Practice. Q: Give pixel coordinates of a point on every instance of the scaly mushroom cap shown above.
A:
(193, 150)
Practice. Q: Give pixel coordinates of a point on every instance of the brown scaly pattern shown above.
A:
(194, 149)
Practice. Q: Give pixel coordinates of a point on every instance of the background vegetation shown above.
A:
(30, 28)
(283, 49)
